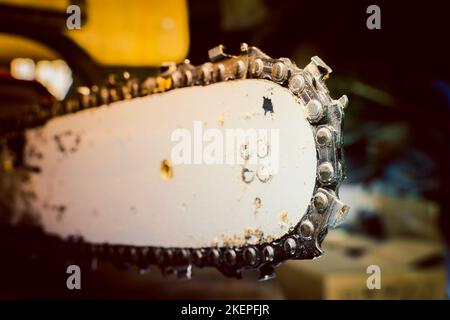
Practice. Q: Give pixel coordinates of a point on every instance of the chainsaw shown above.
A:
(233, 164)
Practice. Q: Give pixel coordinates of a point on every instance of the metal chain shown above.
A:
(324, 114)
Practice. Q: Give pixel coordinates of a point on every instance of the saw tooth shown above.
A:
(217, 53)
(143, 270)
(184, 273)
(343, 101)
(319, 69)
(244, 48)
(267, 272)
(167, 68)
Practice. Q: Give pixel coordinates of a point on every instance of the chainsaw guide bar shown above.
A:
(274, 92)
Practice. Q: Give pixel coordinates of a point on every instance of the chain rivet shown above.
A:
(257, 67)
(320, 201)
(314, 110)
(250, 255)
(279, 71)
(290, 246)
(297, 83)
(268, 253)
(323, 137)
(306, 229)
(326, 172)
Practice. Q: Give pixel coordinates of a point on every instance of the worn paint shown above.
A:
(267, 105)
(221, 120)
(256, 205)
(284, 217)
(166, 170)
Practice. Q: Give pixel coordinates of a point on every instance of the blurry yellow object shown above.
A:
(59, 5)
(135, 32)
(127, 32)
(13, 46)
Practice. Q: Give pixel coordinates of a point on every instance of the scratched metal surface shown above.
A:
(100, 170)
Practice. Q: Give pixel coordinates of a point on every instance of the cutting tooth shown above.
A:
(343, 101)
(144, 270)
(184, 273)
(266, 273)
(244, 48)
(319, 69)
(167, 68)
(217, 53)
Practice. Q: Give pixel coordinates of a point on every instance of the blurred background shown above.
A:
(396, 128)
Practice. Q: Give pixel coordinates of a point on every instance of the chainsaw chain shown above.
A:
(324, 114)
